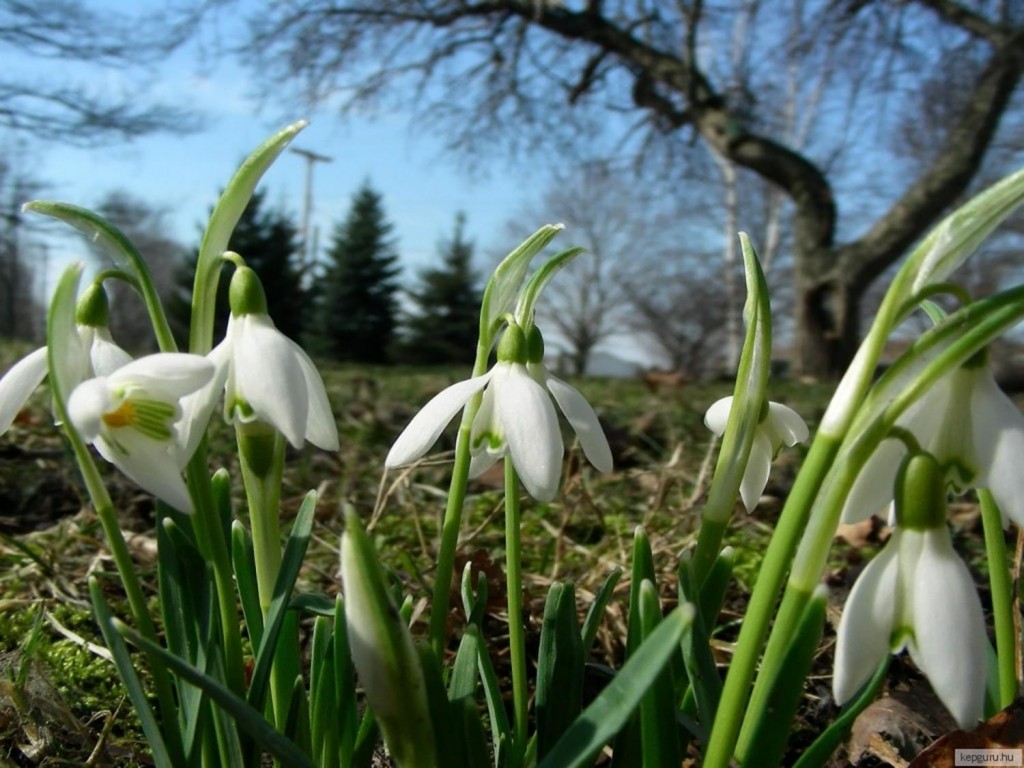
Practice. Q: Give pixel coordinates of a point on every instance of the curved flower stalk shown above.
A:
(779, 425)
(516, 418)
(131, 417)
(967, 423)
(91, 351)
(266, 376)
(917, 594)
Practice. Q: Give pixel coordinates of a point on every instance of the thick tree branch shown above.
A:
(947, 177)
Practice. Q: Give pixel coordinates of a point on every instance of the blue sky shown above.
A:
(422, 187)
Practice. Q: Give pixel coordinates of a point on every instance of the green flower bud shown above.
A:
(246, 296)
(93, 308)
(513, 347)
(920, 493)
(534, 346)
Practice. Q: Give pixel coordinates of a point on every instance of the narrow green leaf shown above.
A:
(124, 253)
(532, 290)
(344, 688)
(126, 668)
(223, 220)
(243, 563)
(247, 718)
(628, 741)
(291, 562)
(462, 680)
(313, 604)
(659, 733)
(771, 732)
(595, 613)
(501, 728)
(701, 670)
(821, 749)
(600, 721)
(503, 287)
(559, 695)
(322, 709)
(712, 592)
(642, 568)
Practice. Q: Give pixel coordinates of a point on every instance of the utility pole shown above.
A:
(307, 253)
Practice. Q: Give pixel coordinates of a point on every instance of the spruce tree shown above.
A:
(357, 302)
(444, 325)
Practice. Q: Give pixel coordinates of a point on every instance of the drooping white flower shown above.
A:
(91, 352)
(965, 421)
(132, 416)
(780, 425)
(266, 376)
(516, 418)
(917, 594)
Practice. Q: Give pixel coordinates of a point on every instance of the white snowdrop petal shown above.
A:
(268, 379)
(105, 356)
(949, 642)
(151, 465)
(755, 478)
(173, 374)
(530, 424)
(87, 404)
(999, 446)
(18, 384)
(584, 422)
(717, 415)
(321, 429)
(788, 424)
(427, 425)
(866, 625)
(872, 491)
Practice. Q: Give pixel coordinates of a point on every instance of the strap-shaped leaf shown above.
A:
(600, 721)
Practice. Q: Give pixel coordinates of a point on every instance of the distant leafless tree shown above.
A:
(19, 311)
(622, 227)
(146, 226)
(658, 78)
(73, 34)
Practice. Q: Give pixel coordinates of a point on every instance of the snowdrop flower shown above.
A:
(92, 353)
(267, 377)
(965, 421)
(516, 418)
(917, 594)
(780, 425)
(131, 417)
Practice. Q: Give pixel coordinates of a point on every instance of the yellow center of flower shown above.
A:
(124, 416)
(150, 417)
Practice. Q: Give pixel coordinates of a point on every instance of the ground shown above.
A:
(62, 704)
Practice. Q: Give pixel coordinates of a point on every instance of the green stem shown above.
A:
(261, 451)
(754, 630)
(1003, 607)
(514, 580)
(450, 528)
(262, 461)
(452, 523)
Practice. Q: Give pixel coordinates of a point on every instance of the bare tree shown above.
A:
(18, 306)
(146, 226)
(655, 76)
(73, 34)
(621, 227)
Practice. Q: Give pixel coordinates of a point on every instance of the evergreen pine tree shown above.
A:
(357, 308)
(445, 323)
(268, 241)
